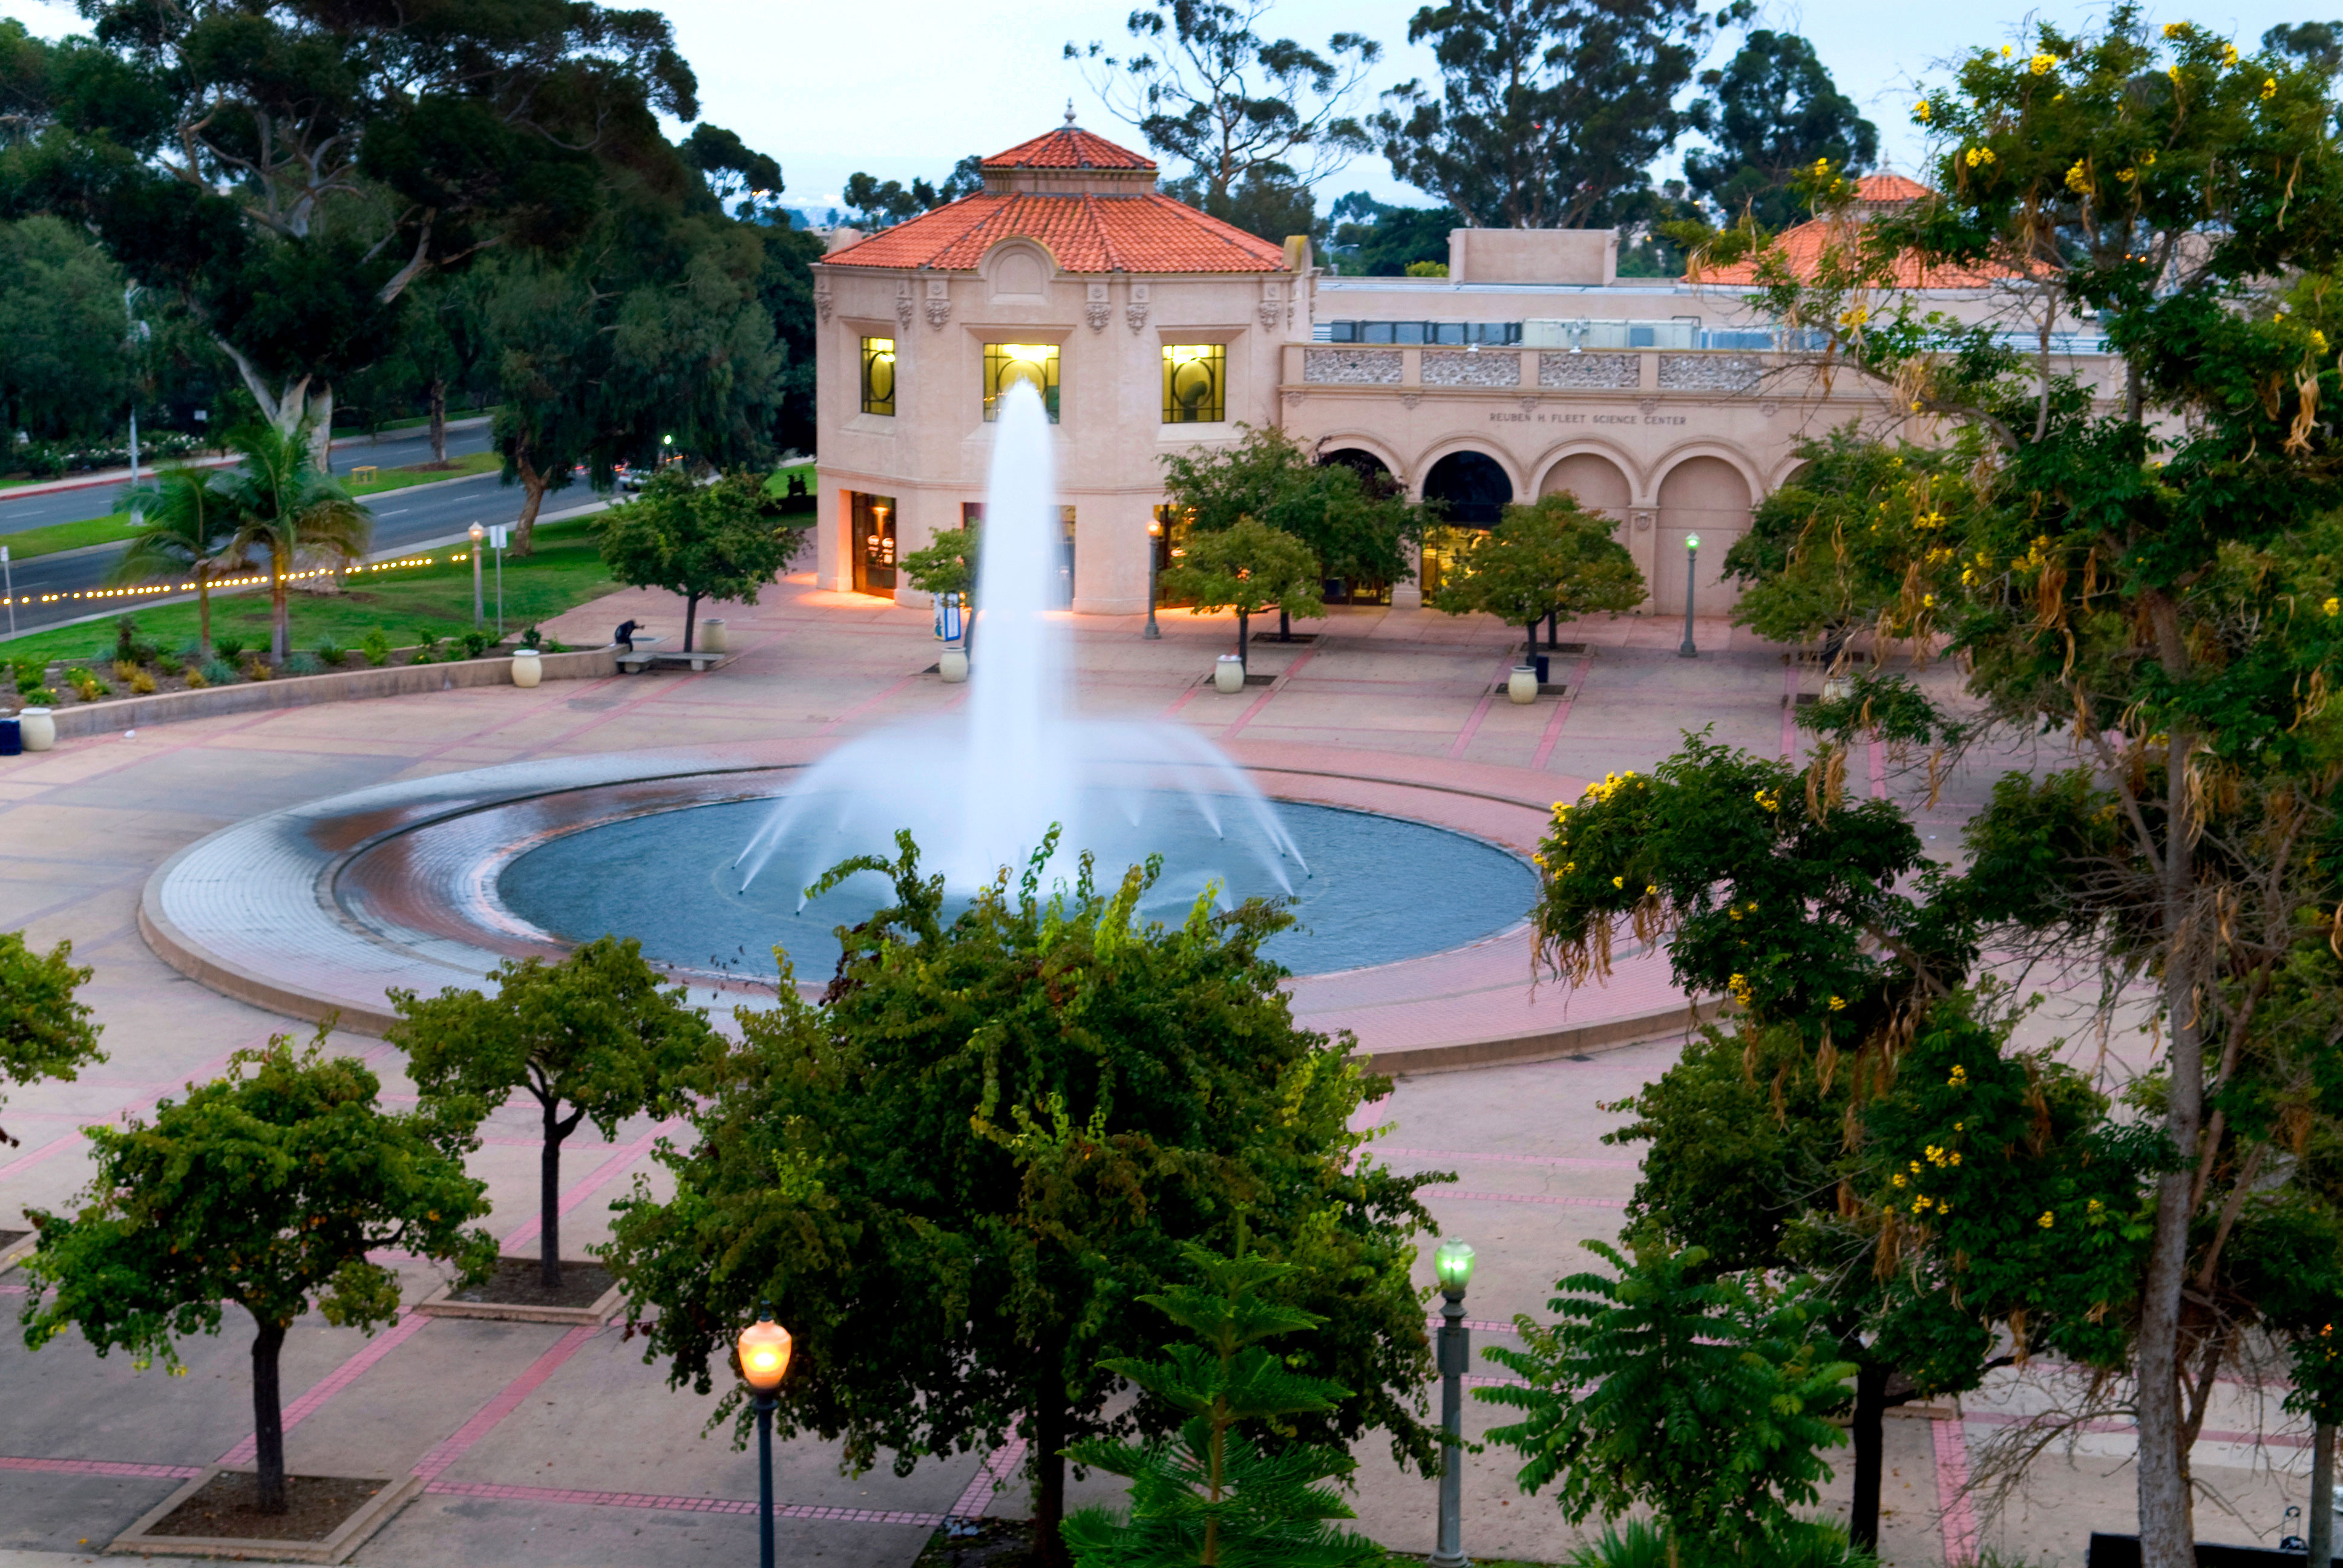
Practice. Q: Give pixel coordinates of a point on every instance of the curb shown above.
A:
(1547, 1045)
(304, 690)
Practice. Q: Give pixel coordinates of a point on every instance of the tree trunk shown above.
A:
(280, 608)
(203, 616)
(1243, 616)
(319, 412)
(1284, 626)
(1530, 656)
(1552, 628)
(439, 418)
(548, 1197)
(690, 612)
(1870, 1406)
(268, 1416)
(533, 486)
(2166, 1524)
(1050, 1438)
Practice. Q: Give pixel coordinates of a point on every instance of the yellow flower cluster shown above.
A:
(2228, 53)
(1736, 911)
(2040, 65)
(1612, 784)
(2047, 1220)
(2078, 178)
(1929, 521)
(1838, 1004)
(1977, 155)
(1737, 987)
(1921, 112)
(1855, 316)
(2176, 29)
(2269, 88)
(2333, 606)
(1771, 799)
(1941, 1157)
(1959, 1080)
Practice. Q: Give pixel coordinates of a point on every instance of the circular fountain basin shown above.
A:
(1368, 889)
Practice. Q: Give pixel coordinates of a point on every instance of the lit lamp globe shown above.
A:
(1692, 541)
(1453, 1261)
(764, 1350)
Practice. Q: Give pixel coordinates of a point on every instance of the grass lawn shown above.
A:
(566, 571)
(115, 527)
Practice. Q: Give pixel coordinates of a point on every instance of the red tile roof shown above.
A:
(1802, 247)
(1888, 189)
(1067, 147)
(1084, 233)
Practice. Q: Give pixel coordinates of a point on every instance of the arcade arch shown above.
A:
(1597, 482)
(1708, 497)
(1475, 486)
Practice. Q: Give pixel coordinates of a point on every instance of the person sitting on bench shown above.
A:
(625, 636)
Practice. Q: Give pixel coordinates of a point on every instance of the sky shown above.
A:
(905, 92)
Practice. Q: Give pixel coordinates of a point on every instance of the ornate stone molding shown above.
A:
(1462, 369)
(1648, 405)
(1135, 315)
(903, 306)
(1409, 399)
(1710, 372)
(1293, 399)
(1352, 367)
(1097, 309)
(822, 304)
(1589, 371)
(938, 303)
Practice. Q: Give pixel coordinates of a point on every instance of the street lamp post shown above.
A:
(1155, 532)
(1692, 555)
(1453, 1264)
(478, 533)
(764, 1351)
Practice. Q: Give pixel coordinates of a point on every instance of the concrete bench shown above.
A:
(640, 659)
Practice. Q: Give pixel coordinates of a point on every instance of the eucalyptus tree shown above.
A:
(290, 169)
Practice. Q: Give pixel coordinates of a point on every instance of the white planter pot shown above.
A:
(40, 730)
(1521, 686)
(1229, 674)
(712, 638)
(952, 664)
(527, 669)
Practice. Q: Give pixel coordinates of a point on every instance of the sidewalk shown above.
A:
(97, 477)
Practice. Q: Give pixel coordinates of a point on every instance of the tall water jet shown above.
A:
(978, 789)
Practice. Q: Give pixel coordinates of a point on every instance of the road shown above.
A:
(393, 450)
(403, 520)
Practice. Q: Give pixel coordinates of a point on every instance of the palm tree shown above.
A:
(187, 525)
(288, 508)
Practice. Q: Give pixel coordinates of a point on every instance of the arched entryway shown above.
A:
(1707, 496)
(1474, 487)
(1368, 466)
(1377, 479)
(1594, 479)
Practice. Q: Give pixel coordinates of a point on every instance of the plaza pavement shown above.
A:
(545, 1445)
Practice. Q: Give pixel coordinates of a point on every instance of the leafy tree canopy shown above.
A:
(1247, 566)
(1373, 239)
(46, 1030)
(1775, 111)
(1549, 558)
(958, 1176)
(874, 204)
(1358, 528)
(722, 539)
(1546, 116)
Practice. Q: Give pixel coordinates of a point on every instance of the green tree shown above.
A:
(45, 1030)
(284, 506)
(289, 174)
(875, 204)
(1204, 85)
(1359, 530)
(957, 1175)
(1217, 1492)
(1774, 111)
(187, 523)
(718, 541)
(1373, 239)
(1703, 1399)
(1247, 566)
(592, 1038)
(1551, 558)
(1837, 548)
(65, 376)
(946, 564)
(265, 1190)
(2141, 587)
(1546, 116)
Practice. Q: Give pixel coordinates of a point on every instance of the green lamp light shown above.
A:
(1692, 541)
(1453, 1261)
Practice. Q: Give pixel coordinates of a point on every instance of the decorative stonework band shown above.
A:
(1500, 368)
(1590, 371)
(1352, 367)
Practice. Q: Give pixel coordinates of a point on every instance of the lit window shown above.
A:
(1007, 363)
(1195, 383)
(879, 375)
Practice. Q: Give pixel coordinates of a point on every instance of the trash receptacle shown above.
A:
(12, 738)
(1545, 678)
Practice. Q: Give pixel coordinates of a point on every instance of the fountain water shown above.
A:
(979, 788)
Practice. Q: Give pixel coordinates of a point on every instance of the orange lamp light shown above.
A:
(764, 1351)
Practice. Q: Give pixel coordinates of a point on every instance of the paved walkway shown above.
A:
(559, 1446)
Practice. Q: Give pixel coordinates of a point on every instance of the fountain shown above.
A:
(979, 788)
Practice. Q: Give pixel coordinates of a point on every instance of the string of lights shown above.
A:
(256, 580)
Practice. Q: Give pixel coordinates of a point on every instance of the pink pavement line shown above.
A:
(678, 1504)
(334, 1383)
(1552, 735)
(977, 1501)
(1953, 1492)
(58, 1144)
(485, 1420)
(1258, 703)
(606, 1172)
(1565, 1202)
(1480, 711)
(102, 1467)
(1565, 1160)
(25, 1161)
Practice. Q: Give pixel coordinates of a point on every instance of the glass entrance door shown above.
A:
(873, 545)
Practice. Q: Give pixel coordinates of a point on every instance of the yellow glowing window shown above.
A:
(879, 375)
(1195, 383)
(1007, 363)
